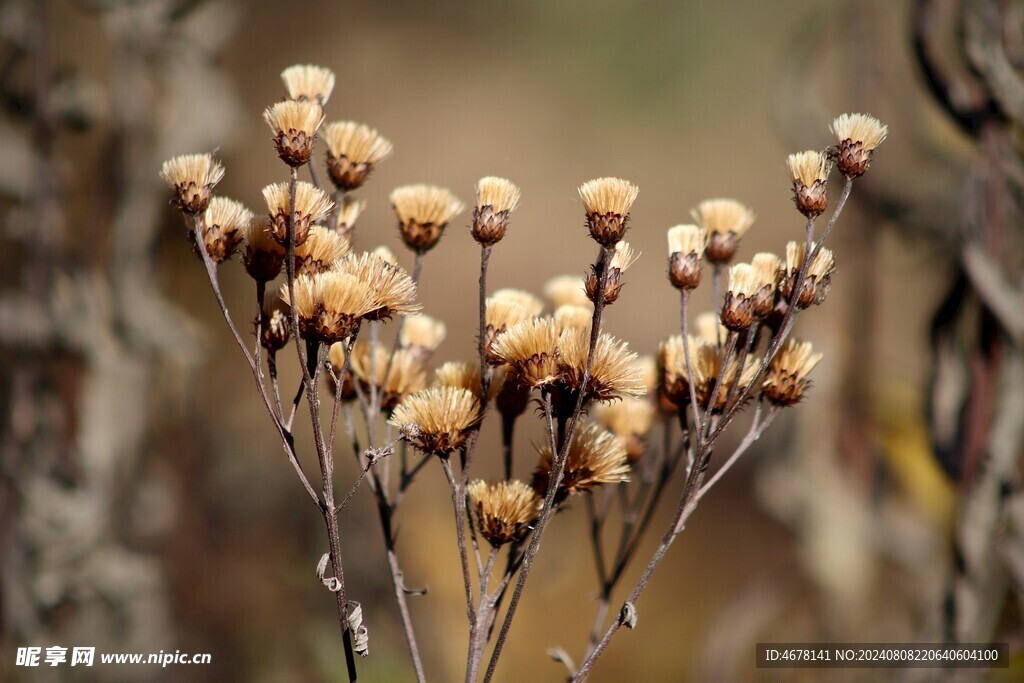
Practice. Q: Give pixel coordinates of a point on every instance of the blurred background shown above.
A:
(144, 501)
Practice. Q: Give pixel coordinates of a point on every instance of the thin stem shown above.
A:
(458, 501)
(683, 322)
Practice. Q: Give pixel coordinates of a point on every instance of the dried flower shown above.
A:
(330, 305)
(706, 361)
(422, 334)
(504, 510)
(224, 226)
(686, 245)
(321, 250)
(394, 291)
(467, 376)
(622, 259)
(192, 177)
(423, 213)
(518, 297)
(506, 308)
(818, 280)
(311, 206)
(565, 290)
(571, 317)
(858, 136)
(787, 380)
(613, 372)
(395, 376)
(386, 255)
(309, 82)
(353, 150)
(347, 214)
(442, 417)
(607, 202)
(595, 457)
(263, 256)
(768, 267)
(275, 327)
(496, 198)
(295, 123)
(744, 287)
(531, 350)
(810, 173)
(726, 221)
(630, 420)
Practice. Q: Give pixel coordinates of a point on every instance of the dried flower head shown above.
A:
(423, 213)
(346, 216)
(567, 290)
(745, 288)
(726, 221)
(571, 317)
(224, 226)
(263, 256)
(467, 376)
(622, 258)
(311, 206)
(395, 376)
(496, 198)
(393, 289)
(192, 177)
(818, 280)
(531, 350)
(607, 202)
(505, 308)
(787, 380)
(422, 334)
(518, 297)
(858, 136)
(613, 372)
(768, 267)
(630, 420)
(709, 328)
(706, 362)
(442, 416)
(294, 123)
(353, 150)
(686, 244)
(275, 326)
(336, 357)
(309, 82)
(504, 510)
(330, 305)
(595, 457)
(810, 174)
(386, 255)
(321, 250)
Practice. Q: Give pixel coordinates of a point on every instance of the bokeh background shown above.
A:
(145, 504)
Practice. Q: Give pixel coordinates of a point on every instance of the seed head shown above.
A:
(787, 380)
(422, 334)
(571, 317)
(745, 287)
(706, 361)
(423, 213)
(809, 171)
(622, 259)
(353, 151)
(394, 291)
(346, 215)
(531, 350)
(595, 457)
(321, 250)
(192, 178)
(504, 510)
(858, 136)
(294, 123)
(330, 305)
(395, 376)
(567, 290)
(496, 198)
(386, 255)
(686, 244)
(768, 267)
(263, 256)
(607, 202)
(819, 276)
(505, 308)
(443, 416)
(726, 221)
(613, 372)
(308, 82)
(225, 224)
(630, 420)
(467, 376)
(311, 206)
(275, 327)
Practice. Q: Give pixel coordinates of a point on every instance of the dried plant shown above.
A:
(597, 400)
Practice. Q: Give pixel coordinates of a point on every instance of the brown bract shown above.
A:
(294, 123)
(423, 212)
(311, 206)
(353, 150)
(496, 198)
(786, 382)
(607, 202)
(726, 221)
(192, 178)
(504, 510)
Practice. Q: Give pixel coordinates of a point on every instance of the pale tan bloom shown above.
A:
(504, 510)
(595, 457)
(739, 306)
(308, 82)
(787, 381)
(294, 123)
(347, 214)
(566, 290)
(330, 305)
(394, 291)
(518, 297)
(817, 281)
(571, 317)
(647, 367)
(275, 324)
(706, 361)
(438, 419)
(687, 239)
(613, 372)
(622, 258)
(726, 221)
(531, 350)
(502, 312)
(686, 244)
(321, 250)
(810, 174)
(496, 198)
(422, 334)
(630, 420)
(467, 376)
(423, 213)
(768, 267)
(311, 206)
(385, 254)
(263, 256)
(353, 150)
(858, 136)
(225, 224)
(192, 177)
(396, 376)
(607, 202)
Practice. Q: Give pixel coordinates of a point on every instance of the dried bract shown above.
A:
(294, 123)
(726, 221)
(192, 177)
(311, 206)
(786, 382)
(607, 202)
(810, 174)
(442, 417)
(686, 244)
(505, 510)
(309, 82)
(353, 150)
(423, 213)
(496, 198)
(858, 135)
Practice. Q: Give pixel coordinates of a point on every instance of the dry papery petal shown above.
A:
(438, 418)
(786, 382)
(225, 224)
(687, 239)
(808, 167)
(866, 130)
(423, 213)
(595, 457)
(724, 215)
(321, 250)
(496, 198)
(311, 206)
(357, 142)
(394, 290)
(531, 350)
(608, 196)
(520, 298)
(192, 177)
(571, 317)
(396, 375)
(613, 372)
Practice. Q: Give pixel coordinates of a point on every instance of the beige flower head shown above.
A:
(726, 221)
(686, 244)
(531, 350)
(505, 308)
(608, 202)
(346, 216)
(787, 381)
(467, 376)
(858, 135)
(438, 419)
(192, 178)
(630, 420)
(263, 256)
(321, 250)
(566, 290)
(740, 298)
(353, 151)
(571, 317)
(275, 324)
(225, 224)
(613, 372)
(819, 275)
(595, 457)
(809, 171)
(504, 510)
(423, 213)
(395, 376)
(394, 291)
(330, 305)
(496, 198)
(294, 124)
(309, 82)
(422, 334)
(622, 258)
(311, 206)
